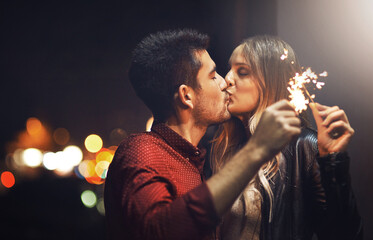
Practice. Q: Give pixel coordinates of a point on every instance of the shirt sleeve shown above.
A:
(150, 206)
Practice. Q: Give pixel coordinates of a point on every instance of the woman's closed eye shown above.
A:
(243, 71)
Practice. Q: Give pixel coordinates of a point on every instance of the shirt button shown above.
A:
(196, 153)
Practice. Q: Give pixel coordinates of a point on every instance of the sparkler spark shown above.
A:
(298, 90)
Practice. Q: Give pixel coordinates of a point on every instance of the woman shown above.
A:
(306, 188)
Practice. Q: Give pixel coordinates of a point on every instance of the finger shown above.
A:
(329, 110)
(293, 131)
(286, 113)
(335, 116)
(339, 128)
(294, 121)
(321, 107)
(316, 114)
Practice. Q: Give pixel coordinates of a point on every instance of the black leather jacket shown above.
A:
(312, 195)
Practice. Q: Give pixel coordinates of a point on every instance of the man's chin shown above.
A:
(226, 117)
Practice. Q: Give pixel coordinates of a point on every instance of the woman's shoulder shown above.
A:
(306, 141)
(308, 134)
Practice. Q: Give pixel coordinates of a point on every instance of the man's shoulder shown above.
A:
(141, 147)
(140, 138)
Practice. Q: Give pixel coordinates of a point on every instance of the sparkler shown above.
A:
(298, 90)
(297, 86)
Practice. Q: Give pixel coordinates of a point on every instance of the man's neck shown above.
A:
(187, 130)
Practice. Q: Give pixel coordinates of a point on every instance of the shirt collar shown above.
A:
(196, 155)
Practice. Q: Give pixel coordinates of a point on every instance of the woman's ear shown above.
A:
(185, 95)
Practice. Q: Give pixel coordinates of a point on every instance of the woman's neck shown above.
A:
(245, 118)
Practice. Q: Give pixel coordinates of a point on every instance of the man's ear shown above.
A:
(185, 95)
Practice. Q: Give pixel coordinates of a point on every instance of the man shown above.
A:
(155, 188)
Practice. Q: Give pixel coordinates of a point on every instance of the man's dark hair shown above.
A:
(161, 63)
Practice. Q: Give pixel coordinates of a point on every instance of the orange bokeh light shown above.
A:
(95, 180)
(104, 156)
(61, 136)
(7, 179)
(33, 126)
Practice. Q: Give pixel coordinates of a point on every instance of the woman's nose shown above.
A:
(229, 79)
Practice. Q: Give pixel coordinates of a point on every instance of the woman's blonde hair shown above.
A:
(263, 55)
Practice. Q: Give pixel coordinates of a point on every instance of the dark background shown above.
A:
(65, 62)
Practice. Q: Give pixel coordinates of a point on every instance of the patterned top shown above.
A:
(243, 221)
(155, 190)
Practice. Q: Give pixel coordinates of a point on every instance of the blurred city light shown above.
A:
(50, 161)
(102, 168)
(100, 206)
(64, 166)
(32, 157)
(93, 143)
(105, 155)
(7, 179)
(17, 158)
(87, 168)
(73, 155)
(61, 136)
(117, 135)
(33, 126)
(89, 198)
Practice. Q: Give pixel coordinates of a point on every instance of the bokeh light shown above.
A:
(89, 198)
(50, 161)
(106, 155)
(32, 157)
(33, 126)
(101, 206)
(93, 143)
(73, 154)
(95, 180)
(64, 165)
(61, 136)
(102, 168)
(87, 168)
(117, 135)
(7, 179)
(17, 158)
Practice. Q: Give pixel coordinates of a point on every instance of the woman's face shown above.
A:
(242, 88)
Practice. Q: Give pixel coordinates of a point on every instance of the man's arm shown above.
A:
(278, 125)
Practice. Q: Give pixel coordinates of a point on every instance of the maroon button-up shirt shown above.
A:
(154, 189)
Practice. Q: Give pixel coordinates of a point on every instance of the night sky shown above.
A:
(66, 63)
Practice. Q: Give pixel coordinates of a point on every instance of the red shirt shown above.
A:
(154, 189)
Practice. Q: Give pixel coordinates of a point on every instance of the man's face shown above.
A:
(211, 99)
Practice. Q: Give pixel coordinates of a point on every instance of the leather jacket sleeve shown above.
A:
(312, 195)
(328, 192)
(340, 218)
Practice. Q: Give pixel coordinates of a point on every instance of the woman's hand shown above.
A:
(334, 130)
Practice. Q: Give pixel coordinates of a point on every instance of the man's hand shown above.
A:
(278, 125)
(334, 130)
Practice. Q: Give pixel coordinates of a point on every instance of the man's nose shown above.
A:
(221, 82)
